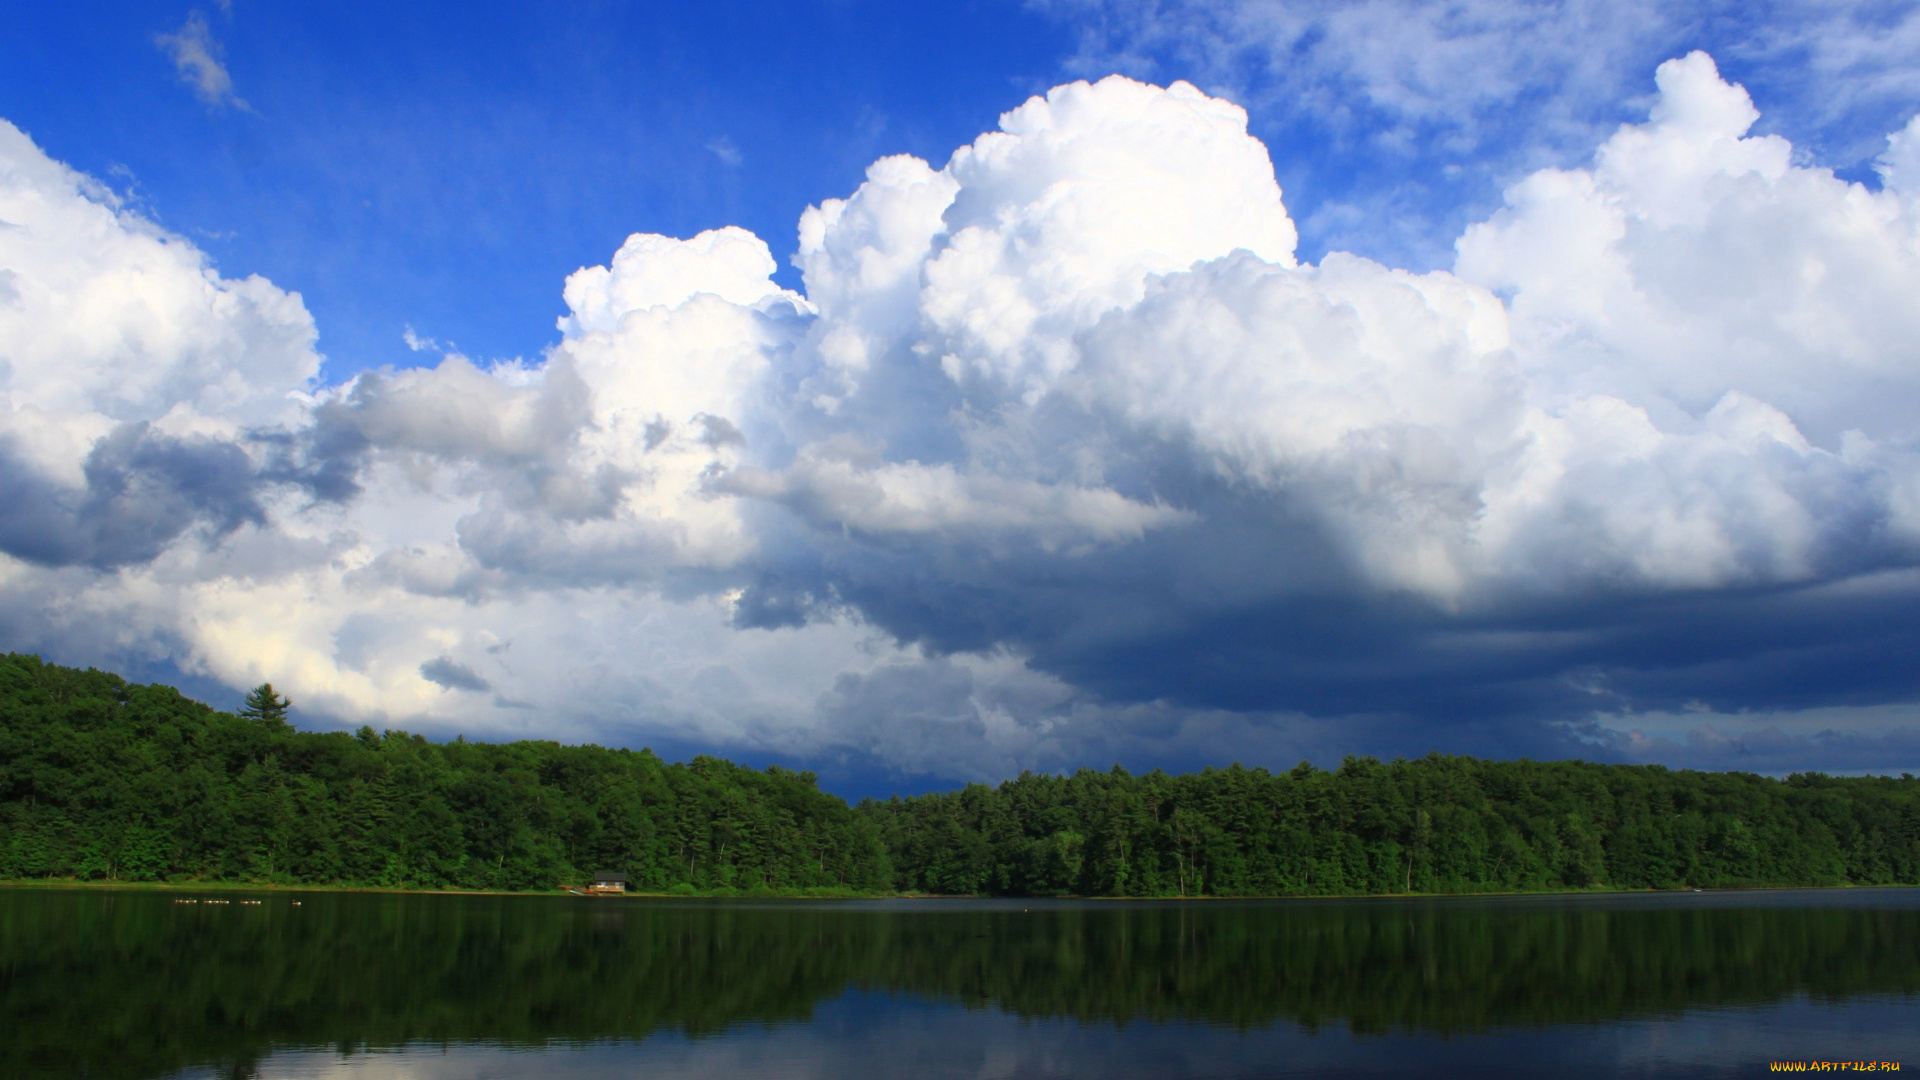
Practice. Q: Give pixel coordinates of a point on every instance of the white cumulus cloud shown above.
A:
(1060, 451)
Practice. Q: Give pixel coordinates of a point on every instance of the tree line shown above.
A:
(102, 779)
(1438, 824)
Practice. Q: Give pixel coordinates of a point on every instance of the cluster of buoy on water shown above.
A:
(246, 903)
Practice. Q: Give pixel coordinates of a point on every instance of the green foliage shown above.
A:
(265, 706)
(104, 780)
(1435, 825)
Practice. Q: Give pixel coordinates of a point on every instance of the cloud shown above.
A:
(450, 673)
(417, 343)
(113, 319)
(1873, 739)
(1394, 58)
(1394, 70)
(143, 491)
(1417, 112)
(1858, 57)
(1060, 455)
(200, 61)
(134, 377)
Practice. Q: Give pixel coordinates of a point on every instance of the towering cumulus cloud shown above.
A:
(1060, 455)
(129, 371)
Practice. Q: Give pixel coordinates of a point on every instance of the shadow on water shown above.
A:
(136, 984)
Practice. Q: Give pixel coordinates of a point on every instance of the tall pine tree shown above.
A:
(266, 706)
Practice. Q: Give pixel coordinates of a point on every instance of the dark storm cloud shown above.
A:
(1342, 653)
(450, 673)
(774, 601)
(1778, 649)
(143, 490)
(326, 458)
(1257, 610)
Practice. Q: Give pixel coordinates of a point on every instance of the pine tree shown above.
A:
(266, 706)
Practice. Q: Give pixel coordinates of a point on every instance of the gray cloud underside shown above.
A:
(450, 673)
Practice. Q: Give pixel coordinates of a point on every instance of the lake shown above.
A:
(137, 984)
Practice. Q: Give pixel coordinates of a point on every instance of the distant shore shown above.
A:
(111, 781)
(558, 890)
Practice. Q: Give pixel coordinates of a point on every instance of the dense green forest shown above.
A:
(100, 779)
(1433, 825)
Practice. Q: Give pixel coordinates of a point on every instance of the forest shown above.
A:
(105, 780)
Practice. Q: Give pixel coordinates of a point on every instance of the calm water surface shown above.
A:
(134, 984)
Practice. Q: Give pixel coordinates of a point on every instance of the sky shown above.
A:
(926, 393)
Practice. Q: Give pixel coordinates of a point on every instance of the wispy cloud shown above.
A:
(1411, 115)
(200, 61)
(418, 343)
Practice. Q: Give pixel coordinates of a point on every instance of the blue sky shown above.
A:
(1080, 444)
(445, 166)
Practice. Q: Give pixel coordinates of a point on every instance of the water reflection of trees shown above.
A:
(135, 985)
